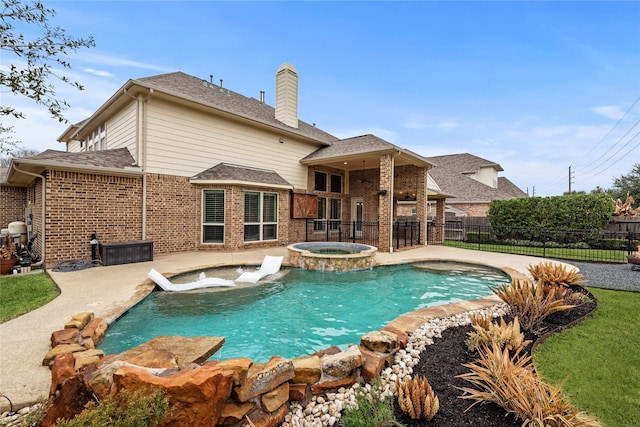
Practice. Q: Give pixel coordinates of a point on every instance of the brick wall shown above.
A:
(472, 209)
(14, 200)
(173, 215)
(79, 204)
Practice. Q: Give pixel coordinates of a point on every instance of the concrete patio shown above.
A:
(110, 291)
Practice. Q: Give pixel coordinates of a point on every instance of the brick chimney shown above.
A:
(287, 95)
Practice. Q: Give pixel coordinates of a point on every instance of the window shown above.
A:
(335, 214)
(213, 216)
(320, 223)
(260, 216)
(336, 183)
(97, 139)
(320, 181)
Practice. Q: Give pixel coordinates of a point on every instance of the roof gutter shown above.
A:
(44, 193)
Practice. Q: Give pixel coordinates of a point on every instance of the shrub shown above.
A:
(553, 273)
(530, 303)
(511, 382)
(372, 409)
(574, 212)
(142, 407)
(487, 333)
(478, 237)
(417, 399)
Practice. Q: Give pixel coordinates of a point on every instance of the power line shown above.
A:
(619, 159)
(609, 133)
(614, 145)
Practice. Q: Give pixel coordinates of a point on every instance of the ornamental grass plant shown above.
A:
(531, 303)
(511, 382)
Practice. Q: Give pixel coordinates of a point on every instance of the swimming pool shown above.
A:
(299, 312)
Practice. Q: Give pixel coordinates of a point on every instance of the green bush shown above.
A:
(572, 212)
(478, 237)
(372, 409)
(144, 407)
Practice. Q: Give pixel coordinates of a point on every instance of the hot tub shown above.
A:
(332, 256)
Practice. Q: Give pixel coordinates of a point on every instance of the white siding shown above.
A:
(121, 130)
(487, 176)
(185, 142)
(74, 147)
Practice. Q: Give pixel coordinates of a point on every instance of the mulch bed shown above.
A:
(442, 362)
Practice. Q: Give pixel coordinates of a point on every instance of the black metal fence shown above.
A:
(404, 233)
(585, 245)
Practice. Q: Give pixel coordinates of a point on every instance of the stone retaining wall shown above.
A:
(203, 392)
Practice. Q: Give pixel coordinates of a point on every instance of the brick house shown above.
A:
(193, 166)
(471, 183)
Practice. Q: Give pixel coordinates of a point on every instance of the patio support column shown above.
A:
(440, 218)
(421, 203)
(385, 203)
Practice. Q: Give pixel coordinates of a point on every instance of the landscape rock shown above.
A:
(325, 386)
(373, 365)
(74, 394)
(239, 366)
(64, 348)
(272, 400)
(79, 320)
(402, 336)
(265, 377)
(152, 358)
(66, 336)
(96, 330)
(307, 369)
(197, 396)
(233, 413)
(298, 392)
(341, 364)
(380, 341)
(268, 419)
(62, 369)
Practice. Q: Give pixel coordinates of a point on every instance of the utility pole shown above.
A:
(534, 191)
(570, 179)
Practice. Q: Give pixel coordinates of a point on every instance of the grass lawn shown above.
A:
(598, 361)
(602, 255)
(22, 293)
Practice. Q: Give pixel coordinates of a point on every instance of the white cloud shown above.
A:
(609, 111)
(97, 72)
(116, 61)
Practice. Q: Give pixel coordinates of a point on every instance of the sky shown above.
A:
(541, 88)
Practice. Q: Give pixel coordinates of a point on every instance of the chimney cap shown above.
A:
(287, 66)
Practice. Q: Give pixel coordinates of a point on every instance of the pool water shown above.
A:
(301, 311)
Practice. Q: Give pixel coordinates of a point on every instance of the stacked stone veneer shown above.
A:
(208, 393)
(307, 260)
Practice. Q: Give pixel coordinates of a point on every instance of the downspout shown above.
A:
(44, 193)
(141, 151)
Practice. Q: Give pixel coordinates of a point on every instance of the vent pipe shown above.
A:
(262, 97)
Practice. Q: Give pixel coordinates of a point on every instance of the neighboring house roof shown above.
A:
(509, 187)
(464, 163)
(118, 161)
(226, 173)
(194, 89)
(450, 174)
